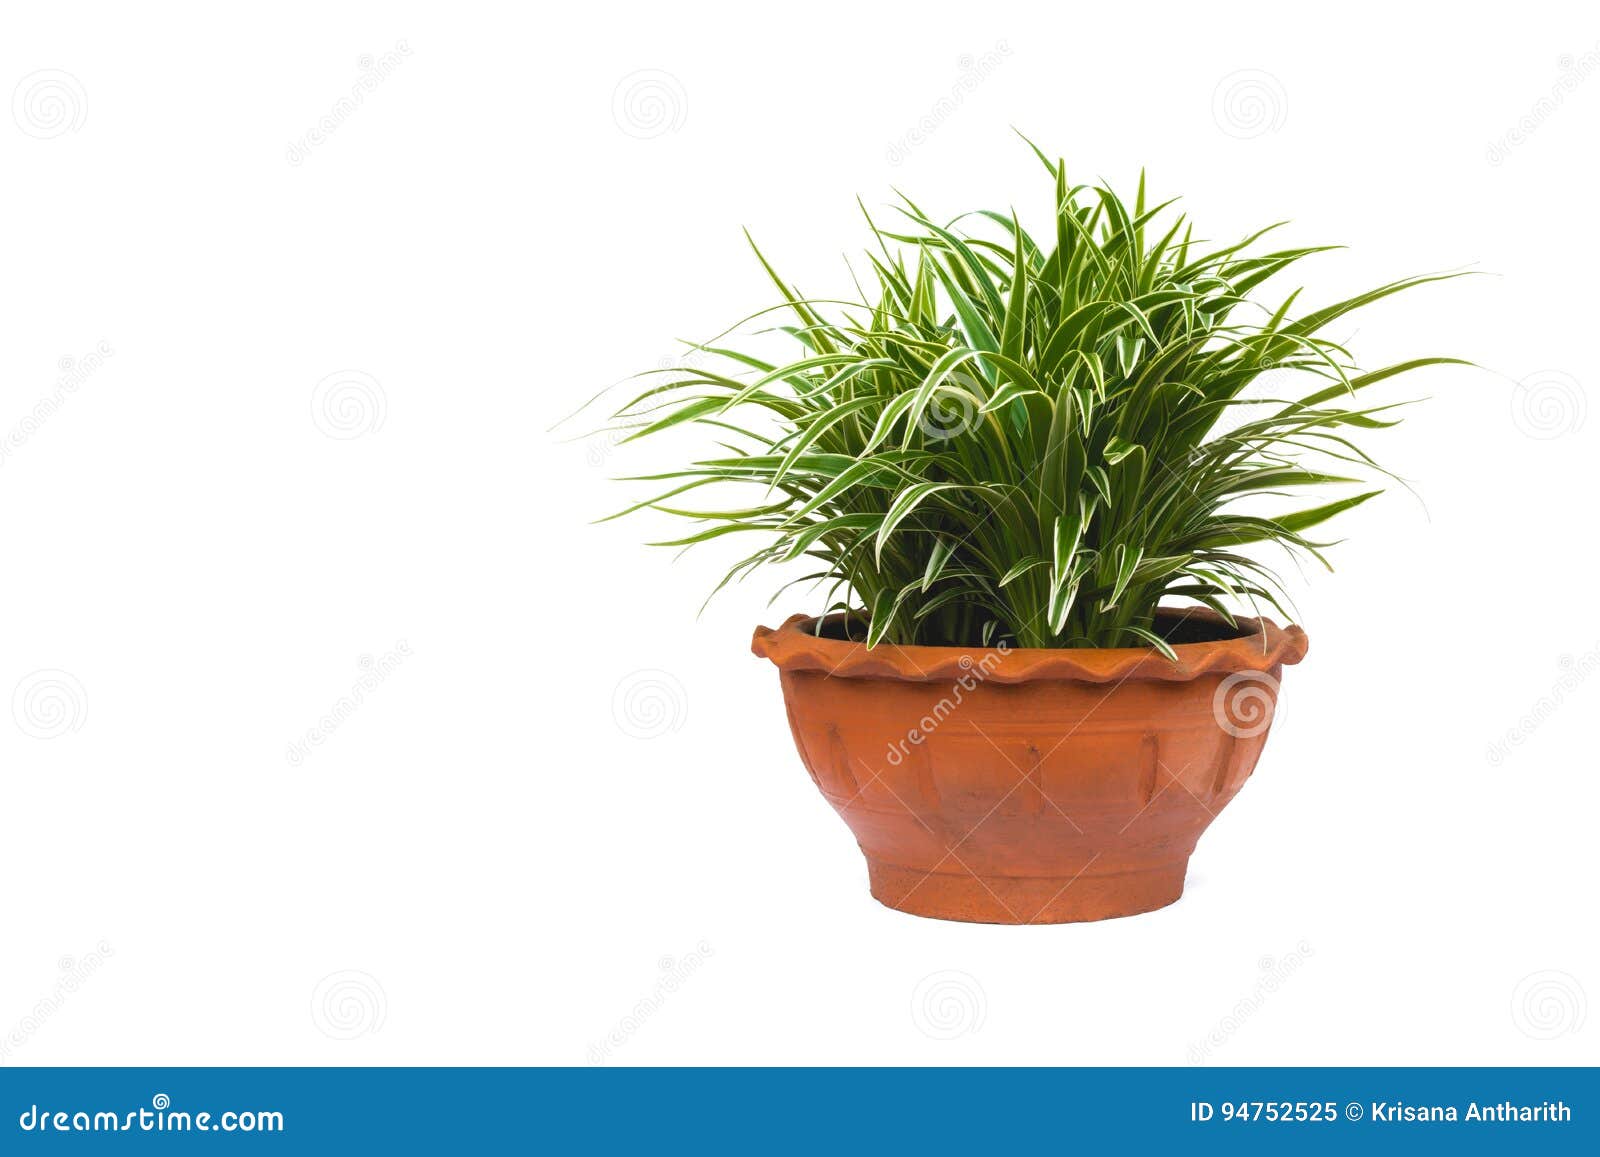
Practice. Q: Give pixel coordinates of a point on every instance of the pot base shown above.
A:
(1025, 899)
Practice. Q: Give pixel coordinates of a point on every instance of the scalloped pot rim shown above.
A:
(795, 647)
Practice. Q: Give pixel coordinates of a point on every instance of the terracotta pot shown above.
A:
(1022, 786)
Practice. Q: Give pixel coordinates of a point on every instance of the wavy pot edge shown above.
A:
(794, 646)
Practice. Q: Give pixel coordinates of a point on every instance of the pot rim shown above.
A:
(1263, 647)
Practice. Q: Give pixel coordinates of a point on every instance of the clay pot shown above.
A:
(1024, 786)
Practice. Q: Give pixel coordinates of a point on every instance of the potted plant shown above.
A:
(1035, 472)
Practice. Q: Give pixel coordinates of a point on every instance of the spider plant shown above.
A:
(1031, 438)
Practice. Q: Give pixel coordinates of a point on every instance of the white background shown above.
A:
(492, 859)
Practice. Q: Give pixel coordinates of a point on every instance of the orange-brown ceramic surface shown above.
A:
(1029, 786)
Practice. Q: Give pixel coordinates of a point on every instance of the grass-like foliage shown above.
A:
(1034, 438)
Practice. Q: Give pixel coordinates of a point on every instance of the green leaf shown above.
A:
(882, 617)
(940, 554)
(1111, 382)
(1154, 640)
(1126, 562)
(906, 502)
(1020, 569)
(1068, 533)
(1306, 519)
(1117, 449)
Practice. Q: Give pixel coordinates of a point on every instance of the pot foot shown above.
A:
(1026, 899)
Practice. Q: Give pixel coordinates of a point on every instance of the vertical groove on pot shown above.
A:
(1031, 790)
(844, 779)
(1225, 761)
(1150, 760)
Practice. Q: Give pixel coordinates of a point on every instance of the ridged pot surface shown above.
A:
(1024, 786)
